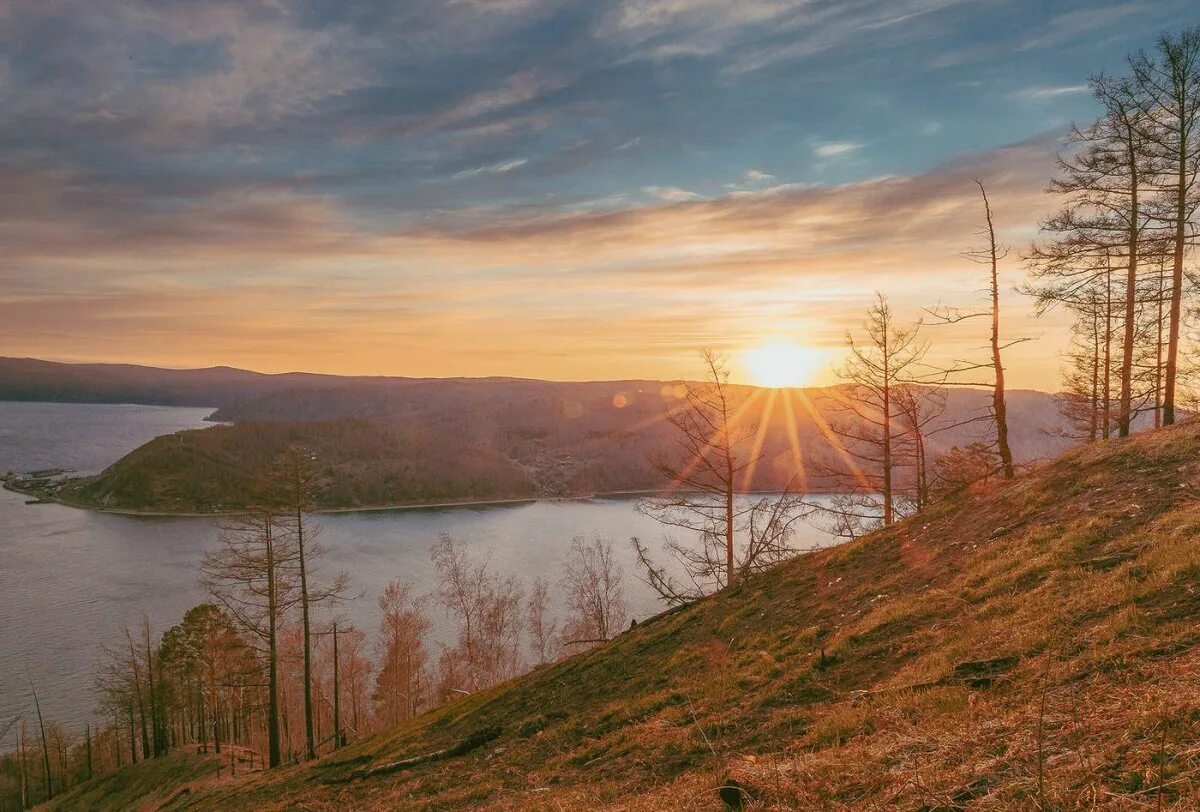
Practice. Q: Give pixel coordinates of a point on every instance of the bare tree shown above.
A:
(296, 480)
(878, 428)
(703, 479)
(488, 610)
(1167, 84)
(402, 679)
(919, 415)
(253, 576)
(47, 779)
(595, 599)
(542, 628)
(355, 667)
(1103, 223)
(726, 536)
(990, 255)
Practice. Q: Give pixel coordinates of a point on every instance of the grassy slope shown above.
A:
(145, 785)
(1084, 571)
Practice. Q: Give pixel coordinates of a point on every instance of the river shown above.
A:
(71, 579)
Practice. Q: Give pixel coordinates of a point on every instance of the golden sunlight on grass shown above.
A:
(781, 364)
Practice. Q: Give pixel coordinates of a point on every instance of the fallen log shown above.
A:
(461, 748)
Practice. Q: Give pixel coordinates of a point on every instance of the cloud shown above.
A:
(1043, 93)
(285, 280)
(670, 193)
(833, 149)
(492, 169)
(182, 147)
(1072, 25)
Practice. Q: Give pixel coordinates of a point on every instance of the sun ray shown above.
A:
(763, 427)
(831, 436)
(733, 421)
(794, 440)
(661, 416)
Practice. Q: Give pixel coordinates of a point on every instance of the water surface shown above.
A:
(70, 579)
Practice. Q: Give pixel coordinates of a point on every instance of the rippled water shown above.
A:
(70, 579)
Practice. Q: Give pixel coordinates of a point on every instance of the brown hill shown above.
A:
(447, 441)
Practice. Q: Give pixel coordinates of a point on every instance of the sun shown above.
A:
(782, 364)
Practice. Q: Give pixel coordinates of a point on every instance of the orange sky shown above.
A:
(528, 187)
(273, 283)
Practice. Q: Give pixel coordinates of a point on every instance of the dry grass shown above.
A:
(1083, 574)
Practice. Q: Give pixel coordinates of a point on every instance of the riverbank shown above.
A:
(43, 497)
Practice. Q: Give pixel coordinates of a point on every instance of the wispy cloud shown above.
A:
(833, 149)
(813, 250)
(492, 169)
(670, 193)
(1043, 93)
(161, 152)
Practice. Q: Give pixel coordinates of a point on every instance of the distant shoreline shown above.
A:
(464, 503)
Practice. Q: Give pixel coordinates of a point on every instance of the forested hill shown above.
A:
(1024, 645)
(456, 441)
(398, 441)
(31, 379)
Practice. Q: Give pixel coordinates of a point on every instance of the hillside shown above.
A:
(454, 440)
(1028, 644)
(32, 379)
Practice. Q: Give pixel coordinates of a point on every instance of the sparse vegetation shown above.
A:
(914, 666)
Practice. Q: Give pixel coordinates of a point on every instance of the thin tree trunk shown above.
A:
(272, 658)
(1158, 352)
(137, 684)
(310, 750)
(999, 404)
(46, 779)
(731, 574)
(888, 508)
(155, 723)
(337, 695)
(1108, 332)
(23, 768)
(1126, 405)
(132, 736)
(1094, 427)
(1180, 238)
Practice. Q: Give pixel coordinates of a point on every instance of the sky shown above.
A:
(539, 188)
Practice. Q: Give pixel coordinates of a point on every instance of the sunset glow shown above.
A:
(282, 186)
(781, 364)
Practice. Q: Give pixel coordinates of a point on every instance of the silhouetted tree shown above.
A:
(1103, 224)
(878, 429)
